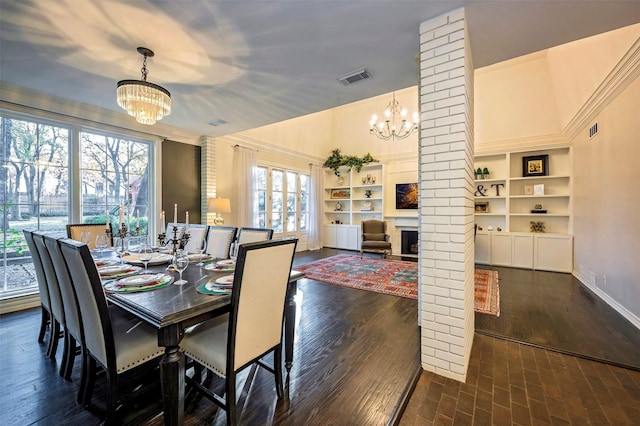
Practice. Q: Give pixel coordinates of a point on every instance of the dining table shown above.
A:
(172, 309)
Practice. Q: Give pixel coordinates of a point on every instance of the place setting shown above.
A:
(138, 282)
(217, 287)
(221, 265)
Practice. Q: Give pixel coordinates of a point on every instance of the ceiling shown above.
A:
(252, 63)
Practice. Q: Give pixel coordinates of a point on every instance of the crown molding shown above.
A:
(626, 71)
(522, 144)
(262, 146)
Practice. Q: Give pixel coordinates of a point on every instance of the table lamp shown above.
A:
(217, 206)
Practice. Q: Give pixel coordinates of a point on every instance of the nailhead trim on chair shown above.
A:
(140, 361)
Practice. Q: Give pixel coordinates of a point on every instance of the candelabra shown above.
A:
(176, 242)
(123, 232)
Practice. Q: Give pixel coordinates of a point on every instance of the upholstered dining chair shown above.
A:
(219, 239)
(253, 327)
(45, 302)
(111, 338)
(250, 235)
(72, 336)
(197, 234)
(75, 230)
(55, 298)
(374, 237)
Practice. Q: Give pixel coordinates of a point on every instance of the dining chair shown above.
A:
(219, 239)
(75, 230)
(119, 343)
(250, 235)
(253, 327)
(169, 232)
(46, 319)
(55, 298)
(197, 234)
(72, 336)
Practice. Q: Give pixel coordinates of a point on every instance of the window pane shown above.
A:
(261, 178)
(276, 222)
(291, 221)
(277, 180)
(276, 204)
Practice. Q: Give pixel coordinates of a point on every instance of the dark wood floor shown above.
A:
(355, 352)
(555, 311)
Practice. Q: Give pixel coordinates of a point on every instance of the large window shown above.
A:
(282, 200)
(37, 175)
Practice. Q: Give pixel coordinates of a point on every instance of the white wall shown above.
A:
(606, 176)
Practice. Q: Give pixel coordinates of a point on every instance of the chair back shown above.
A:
(257, 301)
(69, 299)
(374, 230)
(169, 232)
(57, 308)
(251, 235)
(75, 230)
(37, 263)
(96, 323)
(219, 241)
(197, 234)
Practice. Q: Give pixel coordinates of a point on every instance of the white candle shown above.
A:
(186, 226)
(137, 218)
(122, 213)
(175, 213)
(162, 227)
(107, 219)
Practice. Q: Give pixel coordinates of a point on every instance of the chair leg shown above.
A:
(71, 349)
(232, 415)
(65, 355)
(277, 367)
(44, 323)
(90, 381)
(83, 377)
(54, 335)
(111, 417)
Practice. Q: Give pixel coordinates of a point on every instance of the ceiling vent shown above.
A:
(593, 131)
(216, 122)
(355, 76)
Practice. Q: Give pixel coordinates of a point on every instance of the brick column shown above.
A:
(208, 176)
(446, 195)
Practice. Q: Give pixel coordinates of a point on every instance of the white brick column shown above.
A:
(446, 195)
(208, 176)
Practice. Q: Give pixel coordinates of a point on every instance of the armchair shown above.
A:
(375, 238)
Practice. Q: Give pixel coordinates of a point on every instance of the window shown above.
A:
(36, 178)
(282, 200)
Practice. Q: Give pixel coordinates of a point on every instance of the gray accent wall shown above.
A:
(181, 177)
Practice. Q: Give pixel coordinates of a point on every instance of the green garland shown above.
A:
(337, 160)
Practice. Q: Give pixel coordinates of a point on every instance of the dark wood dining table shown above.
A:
(174, 308)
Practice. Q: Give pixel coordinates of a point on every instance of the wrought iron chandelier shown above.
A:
(395, 124)
(145, 101)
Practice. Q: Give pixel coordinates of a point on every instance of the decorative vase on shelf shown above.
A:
(367, 193)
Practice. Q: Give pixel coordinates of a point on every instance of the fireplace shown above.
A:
(409, 242)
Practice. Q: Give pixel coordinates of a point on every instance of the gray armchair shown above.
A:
(375, 238)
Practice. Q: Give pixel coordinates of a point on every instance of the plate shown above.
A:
(226, 262)
(106, 262)
(116, 287)
(196, 257)
(214, 291)
(156, 259)
(113, 269)
(140, 280)
(218, 268)
(226, 281)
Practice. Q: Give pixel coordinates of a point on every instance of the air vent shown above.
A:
(355, 76)
(216, 122)
(593, 131)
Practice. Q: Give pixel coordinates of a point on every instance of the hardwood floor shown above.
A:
(355, 352)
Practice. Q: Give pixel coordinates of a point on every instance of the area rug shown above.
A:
(394, 277)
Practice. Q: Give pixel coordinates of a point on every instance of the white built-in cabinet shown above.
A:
(348, 200)
(504, 236)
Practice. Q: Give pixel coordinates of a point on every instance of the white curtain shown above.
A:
(245, 167)
(315, 208)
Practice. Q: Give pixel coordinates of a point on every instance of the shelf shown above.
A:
(490, 180)
(491, 197)
(540, 196)
(538, 177)
(490, 214)
(539, 214)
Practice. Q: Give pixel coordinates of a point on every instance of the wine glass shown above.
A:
(180, 263)
(144, 254)
(102, 242)
(85, 237)
(201, 249)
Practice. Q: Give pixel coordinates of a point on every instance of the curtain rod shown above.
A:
(245, 147)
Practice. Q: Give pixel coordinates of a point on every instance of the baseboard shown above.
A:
(14, 304)
(628, 315)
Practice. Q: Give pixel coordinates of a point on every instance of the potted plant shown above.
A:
(337, 160)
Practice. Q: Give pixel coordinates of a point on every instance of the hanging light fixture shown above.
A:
(145, 101)
(395, 124)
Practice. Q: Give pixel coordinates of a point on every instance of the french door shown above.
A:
(282, 202)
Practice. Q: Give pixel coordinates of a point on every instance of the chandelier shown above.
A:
(395, 124)
(145, 101)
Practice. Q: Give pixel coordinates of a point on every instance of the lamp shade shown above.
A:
(219, 205)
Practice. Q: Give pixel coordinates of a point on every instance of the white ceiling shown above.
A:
(257, 62)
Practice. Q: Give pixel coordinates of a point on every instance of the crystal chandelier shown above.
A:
(395, 124)
(145, 101)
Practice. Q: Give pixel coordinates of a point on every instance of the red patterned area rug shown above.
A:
(394, 277)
